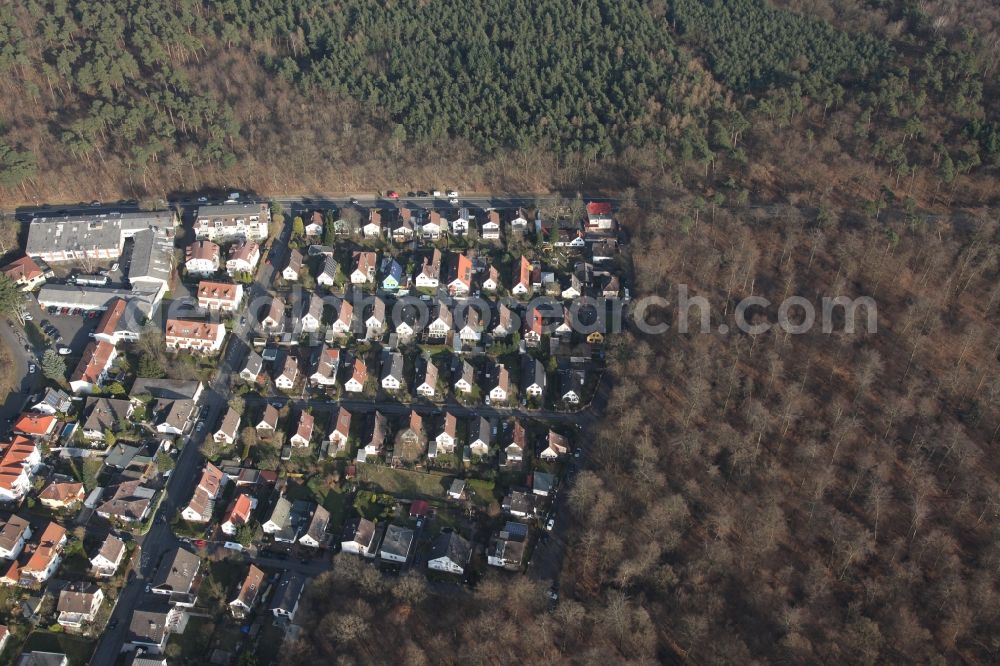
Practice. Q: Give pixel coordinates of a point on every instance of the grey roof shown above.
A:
(392, 366)
(230, 422)
(105, 413)
(480, 430)
(168, 389)
(122, 455)
(287, 591)
(152, 257)
(397, 541)
(542, 482)
(95, 298)
(330, 266)
(452, 546)
(77, 597)
(56, 399)
(137, 659)
(514, 530)
(231, 210)
(532, 372)
(281, 516)
(177, 413)
(457, 487)
(38, 658)
(103, 231)
(177, 571)
(318, 523)
(149, 623)
(254, 363)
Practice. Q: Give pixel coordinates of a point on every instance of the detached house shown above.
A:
(492, 280)
(373, 229)
(304, 431)
(491, 227)
(403, 230)
(78, 604)
(326, 367)
(14, 533)
(341, 430)
(556, 445)
(287, 592)
(520, 222)
(243, 258)
(175, 577)
(220, 296)
(250, 593)
(392, 274)
(427, 377)
(460, 225)
(291, 271)
(514, 451)
(396, 544)
(25, 273)
(47, 554)
(532, 377)
(460, 276)
(380, 431)
(315, 534)
(356, 383)
(107, 560)
(449, 553)
(252, 367)
(61, 495)
(522, 278)
(201, 337)
(501, 391)
(341, 327)
(441, 321)
(430, 272)
(472, 329)
(375, 321)
(268, 422)
(312, 317)
(228, 429)
(364, 268)
(328, 274)
(533, 327)
(238, 514)
(202, 258)
(360, 538)
(480, 436)
(19, 460)
(465, 377)
(285, 380)
(433, 227)
(571, 384)
(315, 227)
(275, 316)
(392, 371)
(202, 504)
(446, 439)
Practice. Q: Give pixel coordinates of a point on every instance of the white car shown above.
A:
(202, 199)
(452, 194)
(28, 316)
(453, 201)
(65, 351)
(436, 193)
(549, 525)
(234, 195)
(32, 368)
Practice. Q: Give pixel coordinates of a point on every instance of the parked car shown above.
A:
(28, 316)
(32, 368)
(393, 194)
(65, 351)
(550, 525)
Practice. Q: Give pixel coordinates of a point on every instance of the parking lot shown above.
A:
(75, 330)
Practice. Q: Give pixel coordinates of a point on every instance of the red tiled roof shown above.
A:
(217, 290)
(192, 330)
(109, 320)
(35, 424)
(24, 268)
(599, 208)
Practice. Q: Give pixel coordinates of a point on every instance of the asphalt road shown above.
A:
(300, 202)
(161, 539)
(25, 383)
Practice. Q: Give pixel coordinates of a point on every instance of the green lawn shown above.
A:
(405, 483)
(484, 491)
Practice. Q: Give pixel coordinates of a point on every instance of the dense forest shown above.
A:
(826, 102)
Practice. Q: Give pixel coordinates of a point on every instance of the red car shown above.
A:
(200, 543)
(393, 195)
